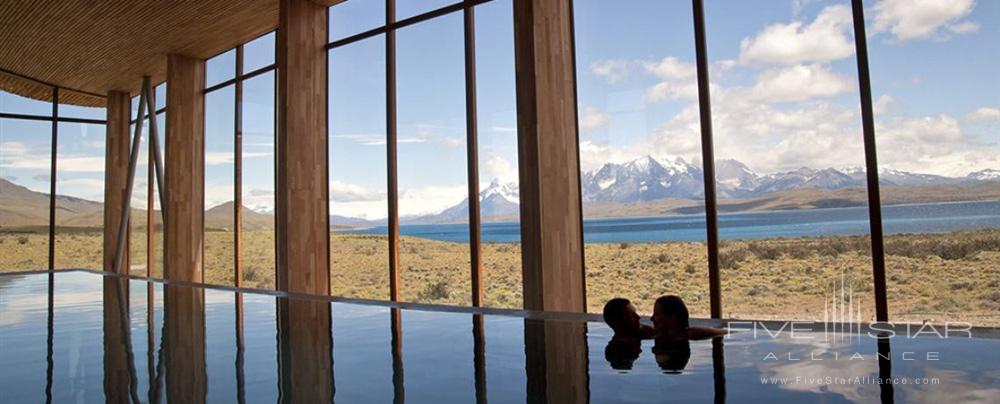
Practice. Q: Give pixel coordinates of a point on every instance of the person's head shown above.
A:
(670, 315)
(620, 315)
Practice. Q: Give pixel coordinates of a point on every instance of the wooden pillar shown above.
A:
(119, 371)
(556, 361)
(305, 355)
(551, 226)
(185, 169)
(184, 339)
(116, 155)
(302, 204)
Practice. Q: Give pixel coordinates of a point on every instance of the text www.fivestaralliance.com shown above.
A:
(831, 380)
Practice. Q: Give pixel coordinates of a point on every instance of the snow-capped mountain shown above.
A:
(988, 174)
(642, 180)
(648, 179)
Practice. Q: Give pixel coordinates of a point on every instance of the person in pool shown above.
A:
(621, 316)
(670, 318)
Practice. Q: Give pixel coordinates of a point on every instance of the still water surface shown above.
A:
(223, 346)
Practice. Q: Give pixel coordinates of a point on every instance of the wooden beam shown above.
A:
(551, 227)
(116, 154)
(185, 170)
(302, 220)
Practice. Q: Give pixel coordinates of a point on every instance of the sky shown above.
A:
(783, 88)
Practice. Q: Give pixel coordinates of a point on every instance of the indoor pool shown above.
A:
(63, 340)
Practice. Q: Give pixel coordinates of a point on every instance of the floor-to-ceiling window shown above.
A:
(937, 124)
(640, 153)
(401, 163)
(39, 230)
(789, 159)
(80, 189)
(239, 165)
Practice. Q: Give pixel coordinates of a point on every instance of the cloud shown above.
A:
(345, 192)
(884, 104)
(431, 199)
(985, 114)
(261, 192)
(678, 79)
(499, 168)
(612, 70)
(799, 83)
(919, 19)
(592, 118)
(223, 158)
(41, 178)
(826, 38)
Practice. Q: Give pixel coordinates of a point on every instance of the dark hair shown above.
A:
(674, 306)
(613, 311)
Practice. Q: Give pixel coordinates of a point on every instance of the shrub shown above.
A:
(434, 291)
(22, 240)
(663, 258)
(731, 257)
(624, 246)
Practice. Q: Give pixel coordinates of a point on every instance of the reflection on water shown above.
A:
(80, 337)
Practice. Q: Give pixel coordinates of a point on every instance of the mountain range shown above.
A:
(643, 186)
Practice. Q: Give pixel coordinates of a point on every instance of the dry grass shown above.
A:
(938, 277)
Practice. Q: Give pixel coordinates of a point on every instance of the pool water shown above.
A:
(213, 345)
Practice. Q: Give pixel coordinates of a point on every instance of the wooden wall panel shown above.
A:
(551, 229)
(302, 204)
(116, 146)
(185, 169)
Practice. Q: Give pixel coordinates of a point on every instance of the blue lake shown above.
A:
(916, 218)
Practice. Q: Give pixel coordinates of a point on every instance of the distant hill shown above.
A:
(221, 218)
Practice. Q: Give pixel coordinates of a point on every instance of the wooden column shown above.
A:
(302, 204)
(185, 169)
(305, 355)
(116, 149)
(555, 355)
(184, 339)
(551, 227)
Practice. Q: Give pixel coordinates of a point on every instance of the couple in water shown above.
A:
(670, 330)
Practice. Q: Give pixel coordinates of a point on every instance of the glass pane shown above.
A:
(80, 196)
(788, 146)
(258, 53)
(359, 247)
(16, 104)
(161, 95)
(499, 196)
(220, 171)
(257, 248)
(138, 224)
(640, 154)
(25, 164)
(220, 68)
(77, 111)
(409, 8)
(156, 270)
(937, 120)
(433, 252)
(355, 16)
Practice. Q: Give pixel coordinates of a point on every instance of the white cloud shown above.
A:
(345, 192)
(592, 118)
(678, 79)
(430, 200)
(918, 19)
(499, 168)
(884, 104)
(986, 114)
(613, 70)
(826, 38)
(223, 158)
(799, 83)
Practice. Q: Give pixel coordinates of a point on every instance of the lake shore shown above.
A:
(934, 277)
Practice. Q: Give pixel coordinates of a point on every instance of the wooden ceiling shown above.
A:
(101, 46)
